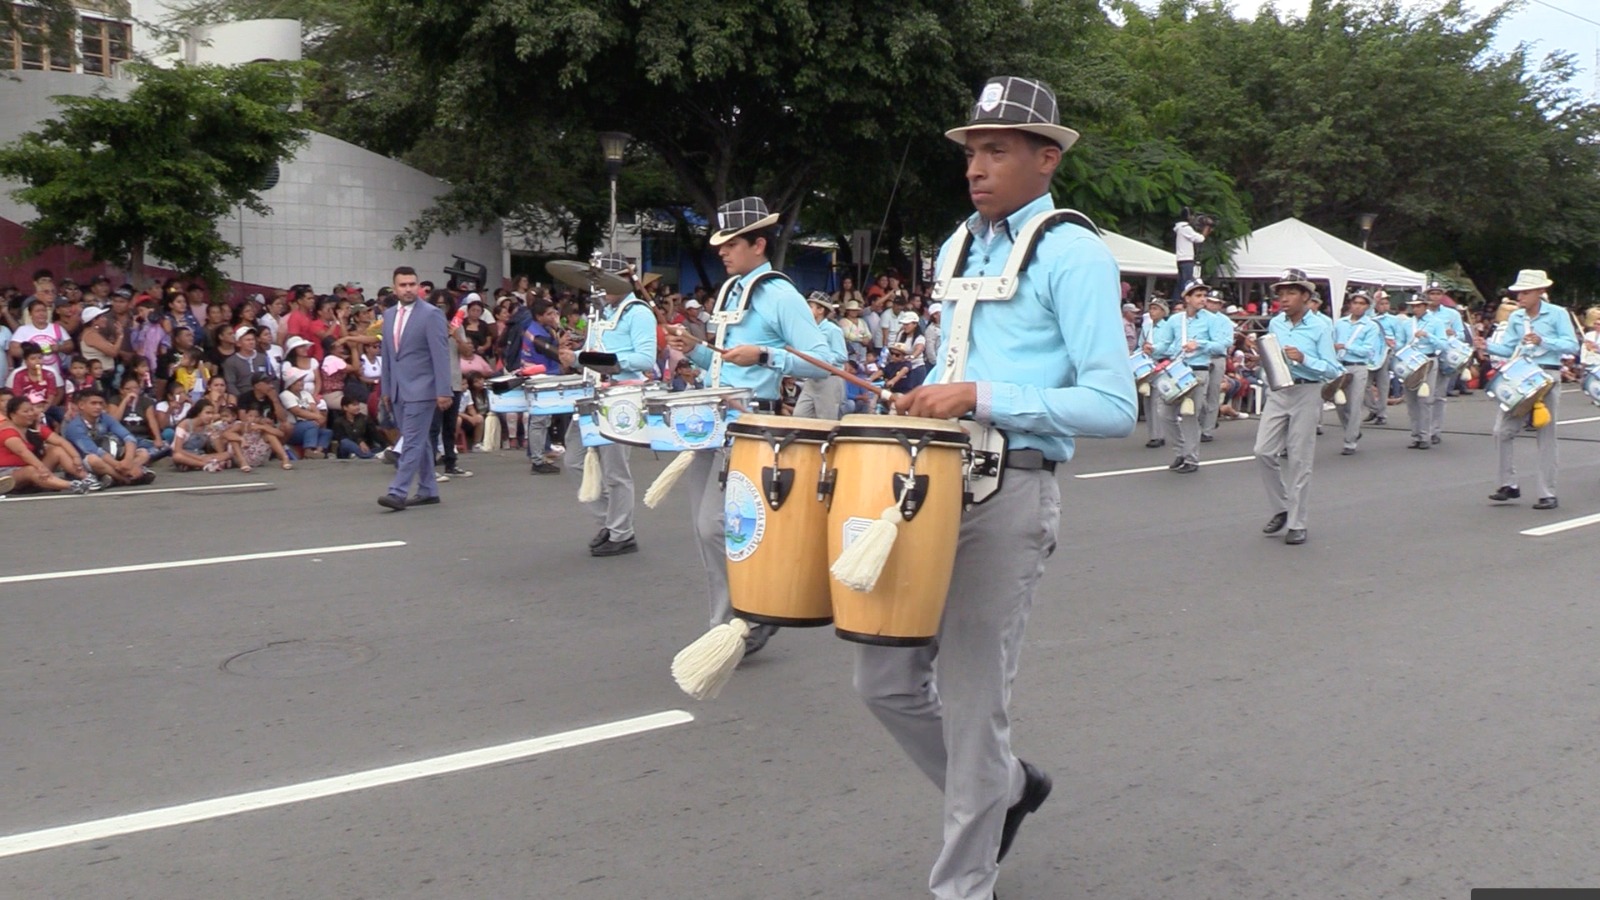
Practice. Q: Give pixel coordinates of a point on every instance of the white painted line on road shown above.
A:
(100, 829)
(101, 495)
(1204, 462)
(1558, 527)
(204, 561)
(1579, 421)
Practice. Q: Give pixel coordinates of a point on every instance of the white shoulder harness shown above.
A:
(723, 318)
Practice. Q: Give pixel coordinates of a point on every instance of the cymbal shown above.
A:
(582, 276)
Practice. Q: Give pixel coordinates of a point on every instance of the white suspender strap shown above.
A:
(734, 316)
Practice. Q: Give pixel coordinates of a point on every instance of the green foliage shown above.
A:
(151, 173)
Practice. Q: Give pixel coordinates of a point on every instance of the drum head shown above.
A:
(760, 424)
(892, 428)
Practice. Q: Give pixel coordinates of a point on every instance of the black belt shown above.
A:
(1028, 459)
(1305, 381)
(768, 406)
(1551, 368)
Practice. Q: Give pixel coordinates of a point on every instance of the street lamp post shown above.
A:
(612, 144)
(1365, 220)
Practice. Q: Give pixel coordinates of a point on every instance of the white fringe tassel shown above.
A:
(589, 490)
(1144, 389)
(859, 566)
(1423, 390)
(1339, 397)
(705, 666)
(662, 486)
(1187, 406)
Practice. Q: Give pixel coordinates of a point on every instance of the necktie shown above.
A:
(399, 325)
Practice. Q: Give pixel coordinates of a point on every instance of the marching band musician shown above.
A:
(1212, 405)
(1428, 334)
(1358, 339)
(626, 326)
(1454, 330)
(823, 398)
(1044, 367)
(1155, 425)
(756, 316)
(1546, 333)
(1289, 416)
(1395, 334)
(1191, 338)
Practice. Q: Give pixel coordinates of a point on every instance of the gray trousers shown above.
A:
(1288, 419)
(1213, 401)
(704, 493)
(1441, 386)
(614, 510)
(1506, 429)
(821, 398)
(1187, 428)
(1153, 412)
(415, 417)
(1355, 394)
(947, 704)
(537, 426)
(1376, 400)
(1421, 409)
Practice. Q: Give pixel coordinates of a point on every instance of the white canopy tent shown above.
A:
(1292, 244)
(1137, 258)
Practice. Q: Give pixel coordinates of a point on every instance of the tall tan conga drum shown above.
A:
(873, 457)
(776, 522)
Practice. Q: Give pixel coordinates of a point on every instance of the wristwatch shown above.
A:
(765, 359)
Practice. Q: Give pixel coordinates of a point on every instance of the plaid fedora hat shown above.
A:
(821, 298)
(1019, 103)
(740, 216)
(1294, 278)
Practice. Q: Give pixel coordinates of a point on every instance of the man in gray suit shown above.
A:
(416, 381)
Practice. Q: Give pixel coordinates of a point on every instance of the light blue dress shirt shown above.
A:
(1050, 364)
(1452, 320)
(1367, 344)
(1312, 337)
(1203, 329)
(1397, 327)
(1557, 337)
(776, 317)
(1432, 325)
(633, 339)
(835, 338)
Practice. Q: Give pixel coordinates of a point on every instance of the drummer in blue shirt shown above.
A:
(1449, 322)
(1045, 367)
(751, 333)
(1428, 335)
(1396, 332)
(1191, 338)
(1543, 333)
(1289, 416)
(1358, 339)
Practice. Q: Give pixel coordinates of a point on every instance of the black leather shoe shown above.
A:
(1035, 788)
(1380, 421)
(540, 467)
(615, 548)
(1176, 463)
(1417, 445)
(601, 538)
(423, 501)
(1295, 536)
(1207, 438)
(1187, 468)
(1434, 439)
(1371, 417)
(1276, 523)
(1546, 503)
(1348, 451)
(758, 637)
(390, 501)
(1506, 492)
(1154, 443)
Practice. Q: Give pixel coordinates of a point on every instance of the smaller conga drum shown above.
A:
(874, 458)
(776, 520)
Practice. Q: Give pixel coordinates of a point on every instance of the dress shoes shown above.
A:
(1370, 419)
(1380, 421)
(391, 501)
(1177, 462)
(1417, 445)
(1295, 536)
(1187, 468)
(1434, 439)
(1207, 438)
(1546, 503)
(1506, 492)
(1348, 451)
(609, 547)
(601, 538)
(540, 467)
(757, 638)
(1035, 788)
(423, 501)
(1154, 443)
(1276, 523)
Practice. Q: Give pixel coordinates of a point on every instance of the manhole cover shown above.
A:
(288, 659)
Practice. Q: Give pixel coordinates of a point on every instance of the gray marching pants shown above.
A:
(947, 704)
(1377, 399)
(614, 510)
(700, 485)
(1213, 401)
(821, 398)
(1288, 419)
(1506, 429)
(1421, 409)
(1355, 394)
(1187, 428)
(1441, 386)
(1153, 413)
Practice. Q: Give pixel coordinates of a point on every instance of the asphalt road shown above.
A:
(1404, 707)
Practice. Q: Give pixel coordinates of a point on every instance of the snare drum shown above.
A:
(555, 395)
(694, 420)
(1332, 389)
(1519, 385)
(1143, 366)
(1412, 366)
(1591, 385)
(1455, 355)
(506, 394)
(871, 458)
(618, 412)
(776, 522)
(587, 415)
(1175, 382)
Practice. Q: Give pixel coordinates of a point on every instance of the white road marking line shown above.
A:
(1558, 527)
(1578, 421)
(1204, 462)
(101, 495)
(201, 810)
(205, 561)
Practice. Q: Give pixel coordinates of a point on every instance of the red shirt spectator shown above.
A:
(8, 430)
(40, 388)
(302, 324)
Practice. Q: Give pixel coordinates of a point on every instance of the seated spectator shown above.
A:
(108, 449)
(469, 421)
(260, 438)
(34, 381)
(353, 431)
(335, 374)
(173, 410)
(21, 463)
(137, 413)
(685, 377)
(300, 363)
(307, 417)
(899, 375)
(193, 448)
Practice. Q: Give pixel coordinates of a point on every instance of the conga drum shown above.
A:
(776, 521)
(873, 458)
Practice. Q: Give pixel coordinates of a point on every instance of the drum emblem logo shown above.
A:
(745, 517)
(623, 416)
(695, 426)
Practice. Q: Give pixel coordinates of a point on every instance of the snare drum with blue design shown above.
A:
(555, 395)
(694, 420)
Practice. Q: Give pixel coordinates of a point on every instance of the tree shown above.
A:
(150, 174)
